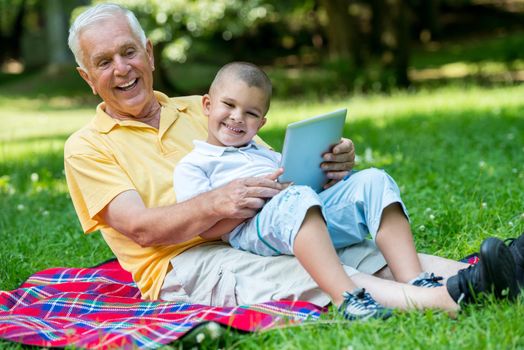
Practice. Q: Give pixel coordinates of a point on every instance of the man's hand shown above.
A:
(339, 162)
(242, 198)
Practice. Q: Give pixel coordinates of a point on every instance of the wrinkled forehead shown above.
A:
(106, 35)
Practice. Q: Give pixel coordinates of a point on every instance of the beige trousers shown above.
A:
(216, 274)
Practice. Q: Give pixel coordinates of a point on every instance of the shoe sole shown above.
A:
(499, 267)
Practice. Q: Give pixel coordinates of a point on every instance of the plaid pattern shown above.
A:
(100, 308)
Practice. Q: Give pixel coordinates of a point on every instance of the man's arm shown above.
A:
(240, 199)
(220, 228)
(339, 162)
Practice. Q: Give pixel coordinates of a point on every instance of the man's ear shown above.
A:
(262, 123)
(85, 76)
(206, 104)
(150, 54)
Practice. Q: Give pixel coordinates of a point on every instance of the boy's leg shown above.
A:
(441, 266)
(315, 251)
(436, 264)
(395, 241)
(404, 296)
(369, 202)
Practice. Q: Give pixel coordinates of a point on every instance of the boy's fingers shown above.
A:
(274, 176)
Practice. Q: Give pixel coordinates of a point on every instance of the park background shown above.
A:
(435, 97)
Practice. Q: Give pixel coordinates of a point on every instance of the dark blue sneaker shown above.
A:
(427, 280)
(359, 305)
(516, 246)
(493, 274)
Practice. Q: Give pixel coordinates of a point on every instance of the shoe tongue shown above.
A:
(359, 292)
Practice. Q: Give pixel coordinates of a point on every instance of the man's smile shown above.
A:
(127, 86)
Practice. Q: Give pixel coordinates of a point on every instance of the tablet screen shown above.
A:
(304, 144)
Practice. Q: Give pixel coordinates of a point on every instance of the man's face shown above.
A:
(235, 111)
(118, 68)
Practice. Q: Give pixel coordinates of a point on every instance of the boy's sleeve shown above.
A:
(189, 180)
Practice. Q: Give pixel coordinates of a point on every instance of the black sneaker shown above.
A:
(516, 246)
(494, 273)
(359, 305)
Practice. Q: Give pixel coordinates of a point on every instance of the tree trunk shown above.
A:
(11, 34)
(377, 26)
(18, 29)
(396, 40)
(338, 28)
(56, 28)
(430, 17)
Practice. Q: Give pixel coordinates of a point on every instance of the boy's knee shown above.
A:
(372, 177)
(299, 193)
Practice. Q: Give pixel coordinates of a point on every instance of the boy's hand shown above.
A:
(274, 176)
(339, 162)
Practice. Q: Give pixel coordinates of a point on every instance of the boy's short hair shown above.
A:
(249, 73)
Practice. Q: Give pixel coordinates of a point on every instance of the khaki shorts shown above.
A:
(216, 274)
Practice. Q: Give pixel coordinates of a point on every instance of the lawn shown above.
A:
(456, 152)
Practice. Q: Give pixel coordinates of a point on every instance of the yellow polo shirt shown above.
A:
(110, 156)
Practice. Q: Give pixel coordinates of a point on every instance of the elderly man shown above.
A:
(119, 172)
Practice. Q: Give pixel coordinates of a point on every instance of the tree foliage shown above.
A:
(177, 24)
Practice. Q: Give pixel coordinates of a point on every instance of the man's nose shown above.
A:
(121, 66)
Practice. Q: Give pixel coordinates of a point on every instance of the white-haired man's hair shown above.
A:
(96, 14)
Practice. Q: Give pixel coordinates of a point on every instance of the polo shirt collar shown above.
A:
(104, 123)
(217, 151)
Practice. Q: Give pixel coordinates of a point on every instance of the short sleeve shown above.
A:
(93, 181)
(189, 180)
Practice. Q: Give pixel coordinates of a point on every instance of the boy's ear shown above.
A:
(85, 76)
(206, 103)
(262, 122)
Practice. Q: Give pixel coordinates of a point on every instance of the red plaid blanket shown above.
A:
(100, 307)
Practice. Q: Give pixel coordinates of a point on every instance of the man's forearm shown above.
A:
(220, 228)
(172, 224)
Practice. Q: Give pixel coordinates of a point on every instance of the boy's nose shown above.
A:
(236, 115)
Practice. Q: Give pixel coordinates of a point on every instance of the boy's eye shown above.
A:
(253, 114)
(227, 104)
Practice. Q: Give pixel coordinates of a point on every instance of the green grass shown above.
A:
(457, 154)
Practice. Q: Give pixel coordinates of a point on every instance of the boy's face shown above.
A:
(236, 112)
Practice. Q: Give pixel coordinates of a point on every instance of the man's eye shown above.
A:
(130, 52)
(103, 63)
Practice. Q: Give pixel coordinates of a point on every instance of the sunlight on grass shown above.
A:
(400, 105)
(465, 69)
(34, 123)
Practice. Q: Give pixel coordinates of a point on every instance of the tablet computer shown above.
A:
(304, 144)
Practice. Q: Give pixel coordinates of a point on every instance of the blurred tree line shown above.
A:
(360, 41)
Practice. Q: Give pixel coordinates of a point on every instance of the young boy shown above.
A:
(299, 221)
